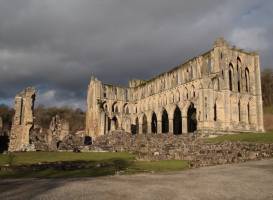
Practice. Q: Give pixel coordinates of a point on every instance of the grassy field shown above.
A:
(244, 137)
(95, 164)
(38, 157)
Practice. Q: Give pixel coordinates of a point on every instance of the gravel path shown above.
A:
(251, 180)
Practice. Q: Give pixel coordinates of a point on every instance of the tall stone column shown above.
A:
(184, 125)
(171, 126)
(113, 124)
(259, 94)
(140, 130)
(149, 127)
(159, 127)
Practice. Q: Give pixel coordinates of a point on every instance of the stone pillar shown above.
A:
(106, 125)
(140, 130)
(149, 127)
(113, 124)
(102, 123)
(159, 127)
(259, 94)
(244, 113)
(171, 126)
(184, 125)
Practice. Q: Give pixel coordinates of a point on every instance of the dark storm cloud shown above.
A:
(57, 45)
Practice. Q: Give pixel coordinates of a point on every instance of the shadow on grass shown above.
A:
(65, 169)
(74, 169)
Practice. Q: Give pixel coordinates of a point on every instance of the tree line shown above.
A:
(267, 87)
(43, 116)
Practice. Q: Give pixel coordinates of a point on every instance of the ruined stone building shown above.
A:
(22, 120)
(214, 93)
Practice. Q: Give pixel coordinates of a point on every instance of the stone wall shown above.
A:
(58, 130)
(195, 150)
(22, 120)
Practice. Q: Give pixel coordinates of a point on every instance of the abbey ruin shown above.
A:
(215, 93)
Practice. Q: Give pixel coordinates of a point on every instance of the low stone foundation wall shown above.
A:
(195, 150)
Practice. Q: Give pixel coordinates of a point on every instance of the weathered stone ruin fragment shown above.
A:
(22, 120)
(58, 130)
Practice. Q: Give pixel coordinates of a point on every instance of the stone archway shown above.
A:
(135, 127)
(191, 119)
(154, 123)
(177, 121)
(115, 123)
(165, 122)
(144, 124)
(87, 140)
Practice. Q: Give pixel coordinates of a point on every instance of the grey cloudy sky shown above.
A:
(55, 45)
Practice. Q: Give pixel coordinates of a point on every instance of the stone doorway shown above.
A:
(144, 124)
(87, 140)
(191, 119)
(115, 123)
(134, 127)
(154, 123)
(165, 122)
(177, 121)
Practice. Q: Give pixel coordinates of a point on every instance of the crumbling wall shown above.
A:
(170, 147)
(22, 120)
(58, 130)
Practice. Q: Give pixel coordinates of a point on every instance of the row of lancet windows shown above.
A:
(241, 75)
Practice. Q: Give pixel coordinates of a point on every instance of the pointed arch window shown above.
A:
(230, 77)
(247, 79)
(215, 112)
(239, 111)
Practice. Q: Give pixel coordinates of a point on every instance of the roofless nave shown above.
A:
(217, 92)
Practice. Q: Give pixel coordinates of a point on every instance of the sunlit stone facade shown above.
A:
(214, 93)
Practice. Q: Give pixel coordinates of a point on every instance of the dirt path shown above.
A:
(252, 180)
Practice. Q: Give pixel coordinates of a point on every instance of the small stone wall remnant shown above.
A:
(58, 130)
(22, 120)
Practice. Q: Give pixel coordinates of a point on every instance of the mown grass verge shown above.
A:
(39, 157)
(68, 165)
(243, 137)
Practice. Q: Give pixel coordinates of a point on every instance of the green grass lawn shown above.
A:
(97, 164)
(36, 157)
(243, 137)
(158, 166)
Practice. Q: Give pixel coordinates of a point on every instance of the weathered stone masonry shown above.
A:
(217, 92)
(178, 147)
(22, 120)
